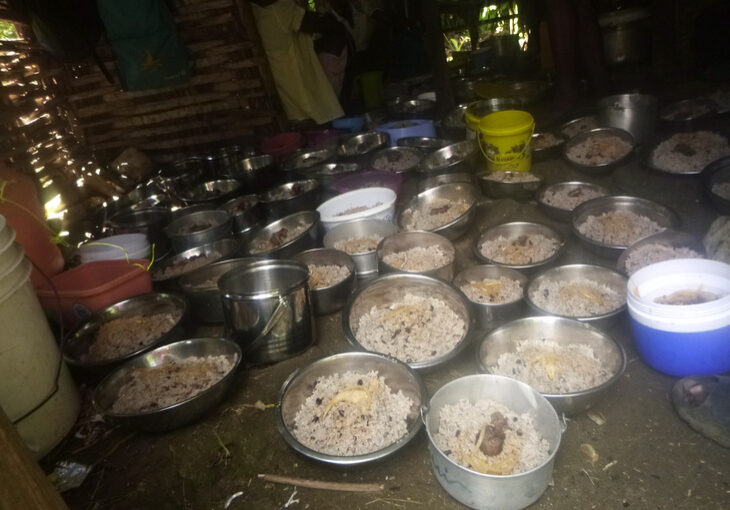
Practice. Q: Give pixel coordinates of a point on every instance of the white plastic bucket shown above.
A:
(331, 211)
(9, 256)
(119, 247)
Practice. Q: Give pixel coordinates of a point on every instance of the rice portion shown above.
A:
(576, 298)
(569, 199)
(396, 161)
(722, 189)
(440, 212)
(326, 275)
(183, 266)
(689, 152)
(173, 381)
(580, 125)
(492, 291)
(419, 258)
(355, 245)
(551, 367)
(544, 141)
(599, 149)
(519, 250)
(352, 414)
(278, 238)
(502, 176)
(464, 425)
(412, 329)
(618, 228)
(656, 252)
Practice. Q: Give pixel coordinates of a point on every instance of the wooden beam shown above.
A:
(437, 56)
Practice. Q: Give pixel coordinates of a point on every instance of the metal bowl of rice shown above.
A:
(166, 272)
(716, 182)
(587, 293)
(496, 293)
(571, 363)
(480, 406)
(515, 185)
(357, 148)
(343, 383)
(689, 115)
(217, 191)
(686, 153)
(558, 200)
(447, 210)
(437, 180)
(546, 144)
(609, 225)
(286, 237)
(666, 245)
(290, 197)
(579, 125)
(422, 321)
(360, 239)
(417, 252)
(599, 150)
(520, 245)
(399, 160)
(455, 158)
(170, 386)
(426, 144)
(332, 278)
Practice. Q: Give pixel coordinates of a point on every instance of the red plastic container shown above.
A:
(94, 286)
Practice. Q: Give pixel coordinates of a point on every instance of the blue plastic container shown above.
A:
(354, 124)
(407, 129)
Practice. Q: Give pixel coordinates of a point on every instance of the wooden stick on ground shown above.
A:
(318, 484)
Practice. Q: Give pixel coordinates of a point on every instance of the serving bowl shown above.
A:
(598, 139)
(571, 274)
(404, 241)
(150, 222)
(255, 173)
(366, 203)
(490, 315)
(179, 176)
(574, 191)
(579, 125)
(307, 159)
(389, 289)
(515, 185)
(331, 298)
(661, 215)
(688, 115)
(423, 143)
(399, 160)
(446, 193)
(217, 191)
(413, 109)
(299, 386)
(564, 332)
(290, 197)
(357, 148)
(77, 346)
(493, 492)
(671, 239)
(305, 240)
(516, 229)
(180, 413)
(198, 228)
(163, 274)
(366, 263)
(246, 214)
(455, 158)
(686, 153)
(546, 144)
(437, 180)
(327, 173)
(714, 176)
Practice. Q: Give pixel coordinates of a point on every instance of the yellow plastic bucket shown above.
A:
(504, 138)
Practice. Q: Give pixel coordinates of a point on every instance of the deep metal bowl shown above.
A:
(515, 229)
(179, 212)
(509, 187)
(455, 158)
(403, 241)
(150, 222)
(357, 149)
(663, 216)
(366, 263)
(255, 173)
(488, 315)
(413, 109)
(564, 332)
(494, 492)
(669, 238)
(438, 180)
(558, 213)
(647, 157)
(246, 213)
(716, 173)
(579, 125)
(204, 298)
(454, 191)
(298, 386)
(328, 173)
(307, 159)
(547, 152)
(145, 304)
(599, 274)
(180, 175)
(176, 415)
(226, 248)
(290, 198)
(423, 143)
(330, 299)
(389, 289)
(197, 229)
(387, 160)
(594, 134)
(218, 191)
(689, 115)
(304, 241)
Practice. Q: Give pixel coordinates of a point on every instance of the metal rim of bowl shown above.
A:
(230, 206)
(265, 264)
(186, 255)
(381, 139)
(298, 161)
(188, 197)
(316, 171)
(557, 146)
(719, 166)
(189, 288)
(505, 226)
(599, 131)
(540, 197)
(415, 200)
(437, 238)
(346, 258)
(577, 120)
(310, 184)
(670, 237)
(397, 150)
(448, 164)
(269, 253)
(424, 143)
(219, 222)
(648, 151)
(677, 105)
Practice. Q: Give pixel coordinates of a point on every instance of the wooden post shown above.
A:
(23, 485)
(437, 55)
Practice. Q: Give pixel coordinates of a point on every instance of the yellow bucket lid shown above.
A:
(506, 123)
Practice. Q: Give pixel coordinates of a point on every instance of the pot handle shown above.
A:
(273, 320)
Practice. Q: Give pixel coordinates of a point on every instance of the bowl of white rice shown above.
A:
(599, 150)
(286, 236)
(609, 225)
(686, 153)
(399, 160)
(447, 210)
(496, 293)
(666, 245)
(546, 144)
(332, 278)
(593, 294)
(716, 181)
(493, 441)
(570, 362)
(350, 408)
(579, 125)
(417, 252)
(505, 184)
(360, 239)
(521, 245)
(558, 200)
(420, 320)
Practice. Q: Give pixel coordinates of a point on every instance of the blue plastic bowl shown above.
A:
(352, 124)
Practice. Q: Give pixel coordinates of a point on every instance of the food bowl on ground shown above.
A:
(455, 158)
(558, 200)
(197, 229)
(599, 150)
(546, 144)
(359, 239)
(591, 294)
(689, 115)
(437, 180)
(285, 237)
(413, 109)
(307, 159)
(140, 394)
(666, 245)
(686, 153)
(571, 363)
(332, 278)
(716, 182)
(358, 148)
(167, 271)
(496, 294)
(419, 320)
(201, 288)
(125, 329)
(471, 407)
(520, 245)
(327, 173)
(425, 144)
(289, 198)
(528, 92)
(446, 210)
(579, 125)
(608, 225)
(383, 392)
(246, 213)
(505, 184)
(365, 203)
(680, 316)
(399, 160)
(217, 191)
(255, 173)
(417, 252)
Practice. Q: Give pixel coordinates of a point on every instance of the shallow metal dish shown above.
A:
(518, 228)
(455, 158)
(227, 248)
(301, 196)
(508, 189)
(646, 157)
(663, 216)
(217, 191)
(308, 159)
(403, 241)
(423, 143)
(144, 304)
(366, 263)
(602, 132)
(715, 173)
(564, 332)
(670, 238)
(298, 386)
(579, 125)
(330, 299)
(392, 287)
(453, 191)
(184, 232)
(360, 145)
(179, 414)
(599, 274)
(393, 155)
(246, 214)
(565, 214)
(306, 240)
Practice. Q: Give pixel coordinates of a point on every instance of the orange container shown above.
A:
(93, 286)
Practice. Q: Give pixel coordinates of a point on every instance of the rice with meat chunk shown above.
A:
(279, 238)
(437, 214)
(183, 266)
(689, 152)
(355, 245)
(326, 275)
(599, 149)
(396, 161)
(420, 258)
(656, 252)
(493, 291)
(502, 176)
(576, 298)
(570, 198)
(352, 414)
(542, 141)
(618, 228)
(519, 250)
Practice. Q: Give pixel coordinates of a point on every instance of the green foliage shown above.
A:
(8, 32)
